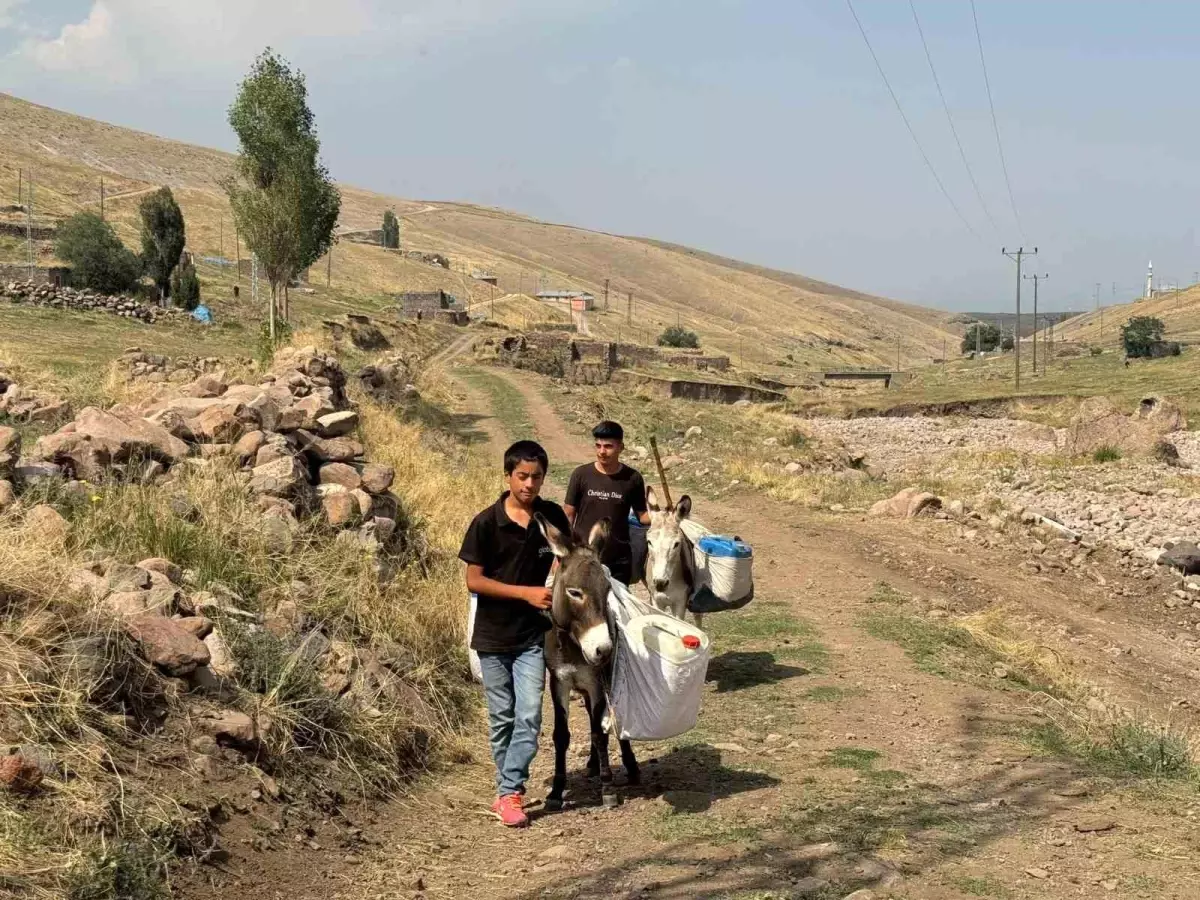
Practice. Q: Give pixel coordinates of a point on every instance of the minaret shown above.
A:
(1149, 292)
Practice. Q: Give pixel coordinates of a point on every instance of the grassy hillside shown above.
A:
(1179, 311)
(760, 314)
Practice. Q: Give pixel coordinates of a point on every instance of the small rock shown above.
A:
(340, 474)
(46, 525)
(693, 431)
(167, 644)
(377, 478)
(340, 509)
(730, 748)
(1037, 873)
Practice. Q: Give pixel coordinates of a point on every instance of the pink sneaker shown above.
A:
(508, 810)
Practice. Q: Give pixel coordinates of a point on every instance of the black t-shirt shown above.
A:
(596, 495)
(514, 555)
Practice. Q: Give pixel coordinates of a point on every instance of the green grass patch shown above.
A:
(672, 827)
(1106, 454)
(1122, 750)
(885, 593)
(982, 887)
(858, 758)
(506, 402)
(946, 650)
(773, 627)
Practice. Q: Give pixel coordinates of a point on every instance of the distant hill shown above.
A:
(1005, 320)
(763, 315)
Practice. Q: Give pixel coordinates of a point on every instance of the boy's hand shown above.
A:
(539, 597)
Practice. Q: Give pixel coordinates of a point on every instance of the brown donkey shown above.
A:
(579, 655)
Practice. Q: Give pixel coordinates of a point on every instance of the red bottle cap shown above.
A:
(691, 642)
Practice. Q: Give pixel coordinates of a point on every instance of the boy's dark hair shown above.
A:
(608, 431)
(525, 451)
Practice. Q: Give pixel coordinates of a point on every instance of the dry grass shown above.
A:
(72, 682)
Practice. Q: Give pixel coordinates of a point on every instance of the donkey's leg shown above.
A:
(633, 772)
(559, 696)
(699, 620)
(596, 710)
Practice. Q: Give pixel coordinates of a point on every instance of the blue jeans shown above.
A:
(513, 684)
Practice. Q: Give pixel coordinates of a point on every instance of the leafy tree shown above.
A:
(1140, 334)
(1007, 341)
(678, 336)
(391, 230)
(185, 287)
(163, 237)
(283, 199)
(989, 337)
(98, 259)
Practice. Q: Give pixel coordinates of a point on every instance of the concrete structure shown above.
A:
(690, 389)
(1149, 291)
(578, 301)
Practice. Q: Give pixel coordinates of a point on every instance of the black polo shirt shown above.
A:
(597, 496)
(513, 555)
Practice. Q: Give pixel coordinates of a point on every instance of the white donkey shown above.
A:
(670, 561)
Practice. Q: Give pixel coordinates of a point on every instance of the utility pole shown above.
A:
(20, 187)
(1100, 310)
(978, 331)
(237, 247)
(29, 225)
(101, 199)
(221, 240)
(944, 359)
(492, 301)
(606, 295)
(1035, 279)
(897, 351)
(329, 267)
(1016, 256)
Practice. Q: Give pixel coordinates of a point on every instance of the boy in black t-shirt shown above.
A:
(608, 489)
(508, 561)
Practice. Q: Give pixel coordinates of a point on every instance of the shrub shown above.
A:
(1140, 334)
(678, 336)
(185, 287)
(97, 257)
(1006, 342)
(1095, 351)
(795, 438)
(988, 337)
(1106, 454)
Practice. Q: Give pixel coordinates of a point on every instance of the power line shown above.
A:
(950, 119)
(907, 124)
(995, 125)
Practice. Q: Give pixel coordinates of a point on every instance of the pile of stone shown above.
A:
(291, 435)
(61, 297)
(138, 365)
(359, 329)
(21, 404)
(389, 381)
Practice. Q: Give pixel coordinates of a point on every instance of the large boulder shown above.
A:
(98, 439)
(337, 424)
(323, 450)
(1099, 424)
(10, 441)
(340, 473)
(1184, 556)
(907, 504)
(168, 644)
(224, 423)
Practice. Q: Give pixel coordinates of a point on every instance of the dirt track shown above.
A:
(828, 760)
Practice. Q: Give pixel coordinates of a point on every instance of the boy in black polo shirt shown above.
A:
(608, 489)
(508, 561)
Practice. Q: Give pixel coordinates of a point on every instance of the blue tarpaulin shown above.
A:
(201, 314)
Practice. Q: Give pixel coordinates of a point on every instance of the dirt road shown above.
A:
(845, 745)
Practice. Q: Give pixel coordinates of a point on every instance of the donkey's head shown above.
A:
(581, 589)
(665, 553)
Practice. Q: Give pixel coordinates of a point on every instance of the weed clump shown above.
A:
(1106, 454)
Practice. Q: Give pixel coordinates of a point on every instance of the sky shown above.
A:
(759, 129)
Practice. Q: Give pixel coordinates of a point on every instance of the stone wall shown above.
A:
(710, 391)
(21, 230)
(56, 275)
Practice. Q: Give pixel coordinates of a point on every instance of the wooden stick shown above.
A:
(662, 475)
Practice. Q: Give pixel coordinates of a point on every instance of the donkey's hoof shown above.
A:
(610, 801)
(633, 777)
(593, 771)
(553, 804)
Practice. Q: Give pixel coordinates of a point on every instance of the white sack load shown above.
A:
(659, 671)
(724, 570)
(476, 668)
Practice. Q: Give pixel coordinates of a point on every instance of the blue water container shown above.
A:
(722, 547)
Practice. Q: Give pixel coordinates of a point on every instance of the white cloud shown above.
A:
(7, 9)
(126, 41)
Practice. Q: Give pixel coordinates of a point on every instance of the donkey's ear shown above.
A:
(683, 508)
(560, 543)
(598, 537)
(652, 500)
